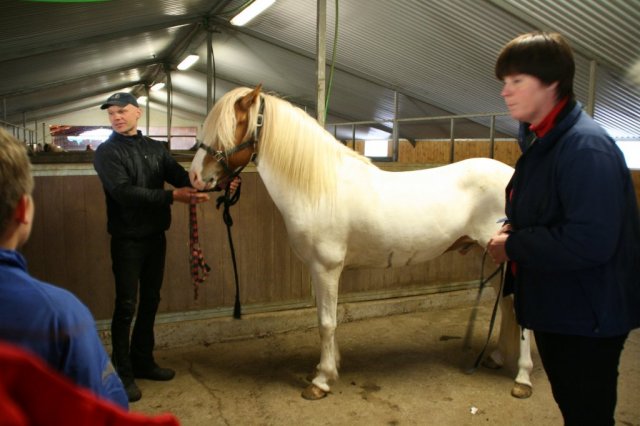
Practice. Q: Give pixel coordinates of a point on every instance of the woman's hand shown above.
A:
(496, 245)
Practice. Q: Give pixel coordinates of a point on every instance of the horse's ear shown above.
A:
(250, 98)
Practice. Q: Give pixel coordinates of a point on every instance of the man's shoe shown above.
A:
(133, 392)
(155, 373)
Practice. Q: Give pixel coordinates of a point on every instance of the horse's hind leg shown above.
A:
(326, 288)
(514, 341)
(522, 387)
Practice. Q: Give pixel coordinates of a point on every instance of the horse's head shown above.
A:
(230, 138)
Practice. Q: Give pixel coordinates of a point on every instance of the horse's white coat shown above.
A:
(364, 217)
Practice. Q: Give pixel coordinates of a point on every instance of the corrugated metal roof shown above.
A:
(436, 56)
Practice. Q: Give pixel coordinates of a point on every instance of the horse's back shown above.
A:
(400, 218)
(462, 183)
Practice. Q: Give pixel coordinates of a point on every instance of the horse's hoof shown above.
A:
(491, 364)
(521, 391)
(312, 393)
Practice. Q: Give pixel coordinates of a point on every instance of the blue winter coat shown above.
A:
(576, 238)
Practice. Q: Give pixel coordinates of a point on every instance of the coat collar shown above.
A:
(566, 119)
(12, 258)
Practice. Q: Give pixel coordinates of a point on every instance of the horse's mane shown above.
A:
(293, 143)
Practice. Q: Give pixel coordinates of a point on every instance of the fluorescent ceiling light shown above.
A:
(157, 86)
(250, 12)
(187, 62)
(142, 100)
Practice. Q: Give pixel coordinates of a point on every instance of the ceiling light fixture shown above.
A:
(250, 12)
(141, 100)
(156, 87)
(188, 62)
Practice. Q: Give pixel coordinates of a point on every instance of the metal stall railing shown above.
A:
(395, 125)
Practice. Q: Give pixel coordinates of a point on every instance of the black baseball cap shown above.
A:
(120, 99)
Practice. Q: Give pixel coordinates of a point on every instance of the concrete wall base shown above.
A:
(180, 333)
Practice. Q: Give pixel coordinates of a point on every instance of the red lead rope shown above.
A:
(199, 268)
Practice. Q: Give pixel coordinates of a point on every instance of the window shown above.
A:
(78, 138)
(631, 151)
(181, 137)
(376, 148)
(87, 138)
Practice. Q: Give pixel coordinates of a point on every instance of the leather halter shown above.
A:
(222, 156)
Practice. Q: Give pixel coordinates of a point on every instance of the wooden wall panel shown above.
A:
(425, 152)
(68, 244)
(73, 257)
(471, 148)
(635, 175)
(507, 151)
(439, 151)
(52, 213)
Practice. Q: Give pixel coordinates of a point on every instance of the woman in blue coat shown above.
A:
(572, 240)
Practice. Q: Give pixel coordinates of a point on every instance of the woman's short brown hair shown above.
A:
(546, 56)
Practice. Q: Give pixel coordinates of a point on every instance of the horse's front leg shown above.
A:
(325, 284)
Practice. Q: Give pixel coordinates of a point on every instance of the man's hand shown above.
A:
(234, 184)
(186, 194)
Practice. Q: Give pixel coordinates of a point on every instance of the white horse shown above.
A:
(341, 211)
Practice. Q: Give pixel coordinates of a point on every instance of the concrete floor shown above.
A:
(403, 369)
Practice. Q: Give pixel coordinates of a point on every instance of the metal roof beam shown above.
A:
(74, 44)
(540, 26)
(59, 83)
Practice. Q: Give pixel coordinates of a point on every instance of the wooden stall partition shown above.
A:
(426, 152)
(357, 145)
(438, 151)
(635, 175)
(269, 273)
(471, 148)
(507, 151)
(69, 245)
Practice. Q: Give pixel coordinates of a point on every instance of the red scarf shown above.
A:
(549, 121)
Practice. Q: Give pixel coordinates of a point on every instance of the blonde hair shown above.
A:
(16, 179)
(300, 150)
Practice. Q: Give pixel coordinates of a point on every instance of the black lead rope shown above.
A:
(474, 312)
(229, 201)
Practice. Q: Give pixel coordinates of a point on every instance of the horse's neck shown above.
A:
(277, 187)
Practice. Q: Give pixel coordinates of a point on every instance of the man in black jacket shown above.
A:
(133, 170)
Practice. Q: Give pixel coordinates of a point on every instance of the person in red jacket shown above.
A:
(33, 394)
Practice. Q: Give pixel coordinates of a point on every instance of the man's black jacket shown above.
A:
(133, 170)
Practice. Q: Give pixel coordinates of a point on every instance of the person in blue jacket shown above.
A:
(46, 320)
(572, 239)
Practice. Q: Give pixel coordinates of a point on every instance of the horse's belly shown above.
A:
(378, 257)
